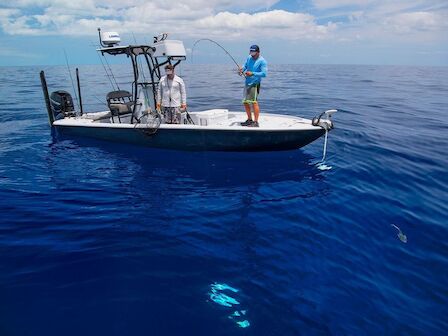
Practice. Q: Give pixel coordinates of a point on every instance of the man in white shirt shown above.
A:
(171, 96)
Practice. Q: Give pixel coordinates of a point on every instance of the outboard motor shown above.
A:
(62, 105)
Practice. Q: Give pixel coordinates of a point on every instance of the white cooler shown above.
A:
(211, 117)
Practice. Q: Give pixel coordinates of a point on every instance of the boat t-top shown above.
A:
(132, 117)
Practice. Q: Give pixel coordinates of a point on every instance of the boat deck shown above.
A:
(210, 119)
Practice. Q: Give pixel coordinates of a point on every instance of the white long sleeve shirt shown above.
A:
(171, 93)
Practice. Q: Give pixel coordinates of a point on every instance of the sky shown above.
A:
(395, 32)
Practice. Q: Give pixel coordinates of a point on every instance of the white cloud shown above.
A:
(356, 16)
(405, 23)
(6, 12)
(276, 23)
(326, 4)
(161, 4)
(384, 21)
(227, 19)
(187, 18)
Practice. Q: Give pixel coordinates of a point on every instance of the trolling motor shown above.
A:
(326, 123)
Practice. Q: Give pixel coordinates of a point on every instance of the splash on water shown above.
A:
(322, 166)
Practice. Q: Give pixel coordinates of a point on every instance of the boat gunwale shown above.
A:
(304, 123)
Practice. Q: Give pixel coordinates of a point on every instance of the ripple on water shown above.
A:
(222, 243)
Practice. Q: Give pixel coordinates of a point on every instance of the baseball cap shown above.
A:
(254, 48)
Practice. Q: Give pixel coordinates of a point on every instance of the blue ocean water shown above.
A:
(108, 239)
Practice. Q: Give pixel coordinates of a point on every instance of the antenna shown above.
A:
(99, 36)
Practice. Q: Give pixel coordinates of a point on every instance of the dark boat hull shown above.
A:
(200, 139)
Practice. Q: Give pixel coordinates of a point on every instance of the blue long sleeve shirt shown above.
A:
(258, 67)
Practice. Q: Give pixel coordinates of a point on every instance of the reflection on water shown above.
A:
(218, 295)
(216, 169)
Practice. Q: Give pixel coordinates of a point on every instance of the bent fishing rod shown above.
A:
(210, 40)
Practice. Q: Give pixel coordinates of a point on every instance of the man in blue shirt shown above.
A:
(254, 70)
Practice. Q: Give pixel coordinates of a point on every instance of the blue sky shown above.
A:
(403, 32)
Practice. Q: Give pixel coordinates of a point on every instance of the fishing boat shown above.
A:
(132, 116)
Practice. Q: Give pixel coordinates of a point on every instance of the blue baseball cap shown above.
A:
(254, 48)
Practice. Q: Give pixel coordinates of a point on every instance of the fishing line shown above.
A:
(210, 40)
(102, 102)
(111, 72)
(73, 85)
(105, 70)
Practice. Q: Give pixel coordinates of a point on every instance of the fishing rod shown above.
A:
(102, 63)
(111, 72)
(210, 40)
(71, 79)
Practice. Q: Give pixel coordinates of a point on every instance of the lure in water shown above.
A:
(400, 234)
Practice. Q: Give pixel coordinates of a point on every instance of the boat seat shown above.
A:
(119, 102)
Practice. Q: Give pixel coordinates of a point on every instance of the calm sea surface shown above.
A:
(106, 239)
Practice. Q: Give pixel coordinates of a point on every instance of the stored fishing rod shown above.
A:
(210, 40)
(71, 79)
